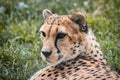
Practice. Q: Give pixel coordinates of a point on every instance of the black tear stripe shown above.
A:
(58, 50)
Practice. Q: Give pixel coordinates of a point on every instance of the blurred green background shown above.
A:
(20, 21)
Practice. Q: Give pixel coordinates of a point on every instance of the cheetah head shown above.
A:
(62, 36)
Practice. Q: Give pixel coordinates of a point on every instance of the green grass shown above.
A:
(19, 33)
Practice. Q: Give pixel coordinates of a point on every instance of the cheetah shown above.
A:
(71, 50)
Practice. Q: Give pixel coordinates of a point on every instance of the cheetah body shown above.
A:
(75, 53)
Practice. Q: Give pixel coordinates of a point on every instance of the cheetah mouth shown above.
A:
(50, 61)
(55, 62)
(47, 60)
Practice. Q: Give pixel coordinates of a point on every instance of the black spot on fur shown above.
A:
(100, 54)
(75, 75)
(58, 23)
(55, 79)
(97, 66)
(73, 52)
(70, 38)
(93, 39)
(49, 75)
(74, 42)
(91, 51)
(87, 77)
(77, 69)
(73, 62)
(67, 65)
(71, 48)
(92, 62)
(75, 79)
(95, 74)
(70, 67)
(61, 68)
(55, 72)
(69, 72)
(80, 61)
(98, 77)
(96, 46)
(92, 70)
(63, 72)
(101, 59)
(56, 75)
(108, 77)
(95, 60)
(43, 75)
(95, 55)
(49, 70)
(63, 63)
(83, 63)
(97, 51)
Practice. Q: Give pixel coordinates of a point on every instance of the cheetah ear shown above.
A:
(46, 13)
(79, 18)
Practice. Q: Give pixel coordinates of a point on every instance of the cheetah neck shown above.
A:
(93, 48)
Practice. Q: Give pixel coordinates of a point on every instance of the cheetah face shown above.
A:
(62, 36)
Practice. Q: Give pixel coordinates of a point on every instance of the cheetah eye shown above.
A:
(61, 35)
(43, 34)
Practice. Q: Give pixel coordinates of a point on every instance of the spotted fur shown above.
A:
(71, 50)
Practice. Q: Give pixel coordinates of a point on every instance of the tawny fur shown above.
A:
(80, 56)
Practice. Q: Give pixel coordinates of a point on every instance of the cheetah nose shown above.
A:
(46, 53)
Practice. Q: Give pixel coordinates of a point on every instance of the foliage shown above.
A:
(19, 32)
